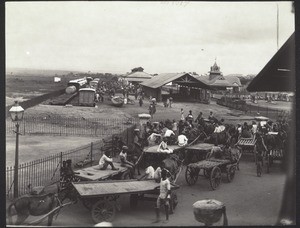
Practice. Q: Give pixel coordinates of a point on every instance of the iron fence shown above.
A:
(46, 171)
(70, 126)
(255, 110)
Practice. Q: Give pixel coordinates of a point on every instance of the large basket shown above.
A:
(209, 211)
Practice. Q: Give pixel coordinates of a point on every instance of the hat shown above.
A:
(124, 148)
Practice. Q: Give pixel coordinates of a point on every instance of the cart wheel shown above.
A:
(215, 177)
(191, 175)
(88, 203)
(125, 175)
(206, 173)
(259, 168)
(173, 202)
(231, 173)
(133, 201)
(103, 210)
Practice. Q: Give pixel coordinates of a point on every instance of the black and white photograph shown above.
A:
(150, 113)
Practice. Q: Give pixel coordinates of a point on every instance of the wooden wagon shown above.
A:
(273, 154)
(152, 157)
(247, 145)
(101, 197)
(197, 152)
(212, 169)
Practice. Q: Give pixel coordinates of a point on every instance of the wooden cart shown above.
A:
(273, 154)
(247, 145)
(152, 157)
(101, 197)
(197, 152)
(212, 169)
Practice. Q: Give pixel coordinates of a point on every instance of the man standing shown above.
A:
(171, 101)
(164, 196)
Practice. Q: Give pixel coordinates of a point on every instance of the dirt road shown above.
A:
(249, 200)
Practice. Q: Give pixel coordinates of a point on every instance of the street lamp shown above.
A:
(16, 114)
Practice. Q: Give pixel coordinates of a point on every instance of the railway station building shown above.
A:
(181, 86)
(137, 75)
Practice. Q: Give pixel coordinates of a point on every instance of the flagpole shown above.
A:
(277, 26)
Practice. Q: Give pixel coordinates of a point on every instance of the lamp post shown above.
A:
(16, 114)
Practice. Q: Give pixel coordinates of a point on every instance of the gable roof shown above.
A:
(162, 79)
(138, 74)
(279, 73)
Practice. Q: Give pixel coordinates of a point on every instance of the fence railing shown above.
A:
(255, 110)
(70, 126)
(46, 171)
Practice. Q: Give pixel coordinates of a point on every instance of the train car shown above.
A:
(94, 84)
(87, 97)
(78, 83)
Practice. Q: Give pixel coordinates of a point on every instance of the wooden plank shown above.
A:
(200, 147)
(94, 173)
(102, 188)
(209, 163)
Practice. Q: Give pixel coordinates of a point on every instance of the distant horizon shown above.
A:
(11, 69)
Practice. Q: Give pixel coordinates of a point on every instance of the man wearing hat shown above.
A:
(106, 160)
(125, 162)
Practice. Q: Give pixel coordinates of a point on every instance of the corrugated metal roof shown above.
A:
(162, 79)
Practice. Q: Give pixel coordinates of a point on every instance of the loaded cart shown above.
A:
(197, 152)
(212, 169)
(247, 145)
(101, 197)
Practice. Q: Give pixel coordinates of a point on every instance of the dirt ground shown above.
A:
(249, 200)
(107, 111)
(37, 147)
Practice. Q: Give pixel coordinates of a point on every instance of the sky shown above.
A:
(161, 37)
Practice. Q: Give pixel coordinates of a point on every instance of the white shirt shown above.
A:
(165, 186)
(182, 140)
(174, 126)
(103, 159)
(168, 133)
(254, 128)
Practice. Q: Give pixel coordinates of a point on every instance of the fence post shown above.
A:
(24, 126)
(61, 158)
(127, 135)
(91, 153)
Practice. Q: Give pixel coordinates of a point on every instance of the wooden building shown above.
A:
(187, 86)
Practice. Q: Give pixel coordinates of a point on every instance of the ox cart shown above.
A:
(247, 145)
(93, 173)
(102, 196)
(273, 153)
(197, 152)
(212, 169)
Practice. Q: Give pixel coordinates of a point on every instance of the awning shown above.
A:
(279, 73)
